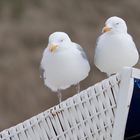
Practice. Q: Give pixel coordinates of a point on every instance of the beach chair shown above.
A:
(97, 113)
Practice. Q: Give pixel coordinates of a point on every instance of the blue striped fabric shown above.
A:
(132, 131)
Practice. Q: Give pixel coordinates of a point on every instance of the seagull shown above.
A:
(115, 48)
(64, 63)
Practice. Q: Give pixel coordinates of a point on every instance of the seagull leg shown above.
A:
(59, 94)
(78, 88)
(108, 75)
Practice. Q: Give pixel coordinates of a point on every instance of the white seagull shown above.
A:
(64, 63)
(115, 47)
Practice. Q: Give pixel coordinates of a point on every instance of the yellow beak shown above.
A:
(52, 47)
(106, 29)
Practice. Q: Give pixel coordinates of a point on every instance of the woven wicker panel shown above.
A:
(88, 115)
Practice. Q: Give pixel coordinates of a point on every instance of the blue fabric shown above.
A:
(133, 121)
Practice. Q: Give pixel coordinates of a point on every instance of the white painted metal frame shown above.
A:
(89, 115)
(124, 100)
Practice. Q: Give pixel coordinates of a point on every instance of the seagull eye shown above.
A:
(117, 23)
(61, 40)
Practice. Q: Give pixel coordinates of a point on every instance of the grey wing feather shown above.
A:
(42, 72)
(82, 51)
(97, 40)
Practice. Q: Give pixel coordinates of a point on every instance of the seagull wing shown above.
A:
(81, 51)
(42, 72)
(97, 40)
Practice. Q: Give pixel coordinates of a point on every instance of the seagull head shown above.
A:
(115, 24)
(56, 40)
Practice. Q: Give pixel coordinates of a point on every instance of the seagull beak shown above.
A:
(106, 29)
(52, 47)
